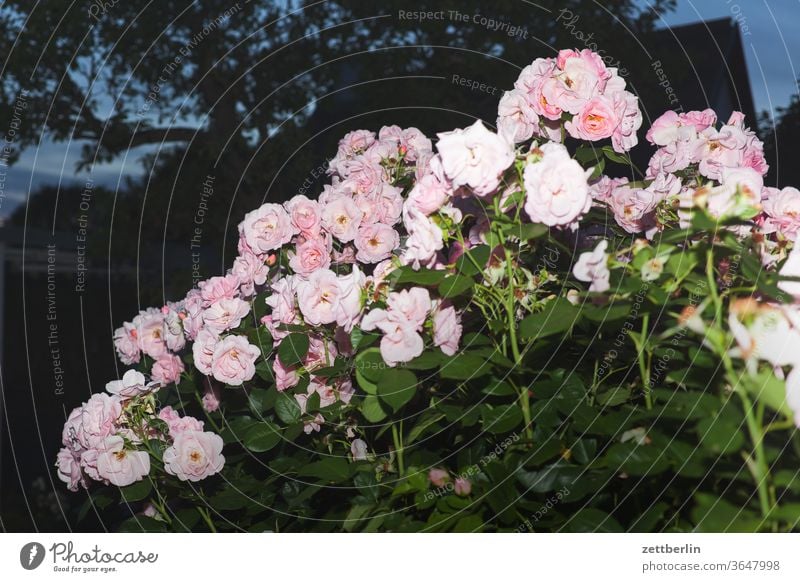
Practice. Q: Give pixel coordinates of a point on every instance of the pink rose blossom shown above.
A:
(167, 369)
(341, 217)
(438, 477)
(428, 195)
(192, 314)
(126, 344)
(150, 333)
(375, 242)
(364, 173)
(194, 456)
(462, 487)
(132, 384)
(310, 256)
(69, 469)
(389, 204)
(203, 350)
(177, 424)
(583, 76)
(415, 143)
(358, 448)
(350, 299)
(592, 267)
(596, 120)
(118, 466)
(475, 157)
(516, 121)
(400, 342)
(782, 213)
(234, 360)
(174, 335)
(211, 400)
(282, 301)
(424, 238)
(602, 189)
(267, 228)
(410, 305)
(99, 417)
(217, 288)
(627, 109)
(357, 141)
(285, 376)
(250, 271)
(671, 158)
(319, 296)
(700, 120)
(536, 82)
(305, 215)
(557, 191)
(716, 150)
(446, 328)
(225, 314)
(634, 208)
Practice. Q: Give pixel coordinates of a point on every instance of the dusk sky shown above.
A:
(766, 26)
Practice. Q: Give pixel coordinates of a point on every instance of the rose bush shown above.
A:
(455, 331)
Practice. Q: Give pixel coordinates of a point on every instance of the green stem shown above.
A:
(526, 412)
(398, 448)
(207, 518)
(759, 468)
(644, 367)
(757, 461)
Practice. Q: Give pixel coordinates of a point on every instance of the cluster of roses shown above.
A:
(108, 438)
(323, 267)
(696, 165)
(575, 92)
(719, 170)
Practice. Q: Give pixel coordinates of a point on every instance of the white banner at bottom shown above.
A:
(356, 557)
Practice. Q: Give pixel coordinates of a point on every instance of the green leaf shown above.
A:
(229, 499)
(426, 277)
(370, 364)
(466, 262)
(637, 459)
(592, 520)
(501, 418)
(264, 371)
(287, 408)
(293, 349)
(615, 157)
(558, 317)
(330, 469)
(499, 388)
(137, 491)
(614, 397)
(371, 409)
(714, 514)
(720, 435)
(455, 285)
(428, 360)
(429, 418)
(262, 437)
(588, 154)
(140, 523)
(559, 474)
(362, 339)
(528, 230)
(465, 367)
(769, 390)
(261, 400)
(396, 388)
